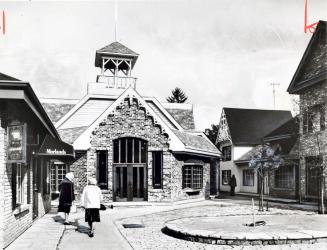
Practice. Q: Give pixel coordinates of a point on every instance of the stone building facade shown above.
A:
(138, 148)
(24, 168)
(310, 83)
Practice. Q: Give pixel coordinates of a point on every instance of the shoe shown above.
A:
(66, 223)
(91, 234)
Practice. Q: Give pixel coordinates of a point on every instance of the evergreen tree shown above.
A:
(178, 96)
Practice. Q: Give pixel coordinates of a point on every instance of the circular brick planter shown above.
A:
(231, 230)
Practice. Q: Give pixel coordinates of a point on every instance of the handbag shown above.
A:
(102, 207)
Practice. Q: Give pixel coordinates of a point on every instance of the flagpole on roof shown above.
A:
(116, 18)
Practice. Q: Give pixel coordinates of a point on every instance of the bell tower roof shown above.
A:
(115, 49)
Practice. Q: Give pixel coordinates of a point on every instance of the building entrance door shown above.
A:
(129, 170)
(129, 183)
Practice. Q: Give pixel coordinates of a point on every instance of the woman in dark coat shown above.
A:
(66, 196)
(232, 183)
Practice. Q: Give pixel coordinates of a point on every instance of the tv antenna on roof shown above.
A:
(274, 92)
(116, 18)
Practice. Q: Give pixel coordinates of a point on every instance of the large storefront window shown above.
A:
(225, 176)
(192, 177)
(248, 177)
(58, 173)
(284, 177)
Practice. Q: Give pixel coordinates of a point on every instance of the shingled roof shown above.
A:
(57, 110)
(313, 66)
(117, 48)
(248, 126)
(184, 117)
(196, 142)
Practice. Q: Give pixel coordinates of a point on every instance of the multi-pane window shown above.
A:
(129, 150)
(225, 176)
(227, 153)
(157, 169)
(314, 119)
(313, 171)
(192, 176)
(248, 177)
(284, 177)
(58, 172)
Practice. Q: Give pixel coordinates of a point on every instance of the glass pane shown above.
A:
(129, 150)
(143, 152)
(116, 151)
(136, 151)
(123, 150)
(157, 169)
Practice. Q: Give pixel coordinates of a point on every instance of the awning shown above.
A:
(56, 148)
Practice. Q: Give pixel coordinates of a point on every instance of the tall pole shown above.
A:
(274, 92)
(116, 18)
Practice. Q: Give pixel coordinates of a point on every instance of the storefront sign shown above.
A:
(17, 144)
(56, 152)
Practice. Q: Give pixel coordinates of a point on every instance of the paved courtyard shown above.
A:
(49, 232)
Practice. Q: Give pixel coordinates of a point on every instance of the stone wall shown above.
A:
(128, 120)
(132, 120)
(309, 142)
(79, 168)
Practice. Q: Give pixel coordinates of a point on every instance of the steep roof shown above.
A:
(313, 65)
(91, 107)
(249, 126)
(77, 125)
(289, 128)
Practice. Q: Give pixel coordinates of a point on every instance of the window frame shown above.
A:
(247, 173)
(222, 177)
(195, 184)
(227, 157)
(279, 177)
(154, 184)
(118, 155)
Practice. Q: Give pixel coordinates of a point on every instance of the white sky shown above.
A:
(222, 53)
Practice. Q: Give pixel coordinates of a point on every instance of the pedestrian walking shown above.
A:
(90, 200)
(233, 184)
(66, 196)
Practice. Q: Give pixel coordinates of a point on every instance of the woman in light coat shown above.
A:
(90, 200)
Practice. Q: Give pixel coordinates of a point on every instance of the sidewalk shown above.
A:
(44, 234)
(49, 233)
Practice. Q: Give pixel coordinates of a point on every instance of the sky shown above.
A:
(222, 53)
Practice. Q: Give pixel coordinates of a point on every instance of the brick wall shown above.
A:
(132, 120)
(308, 142)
